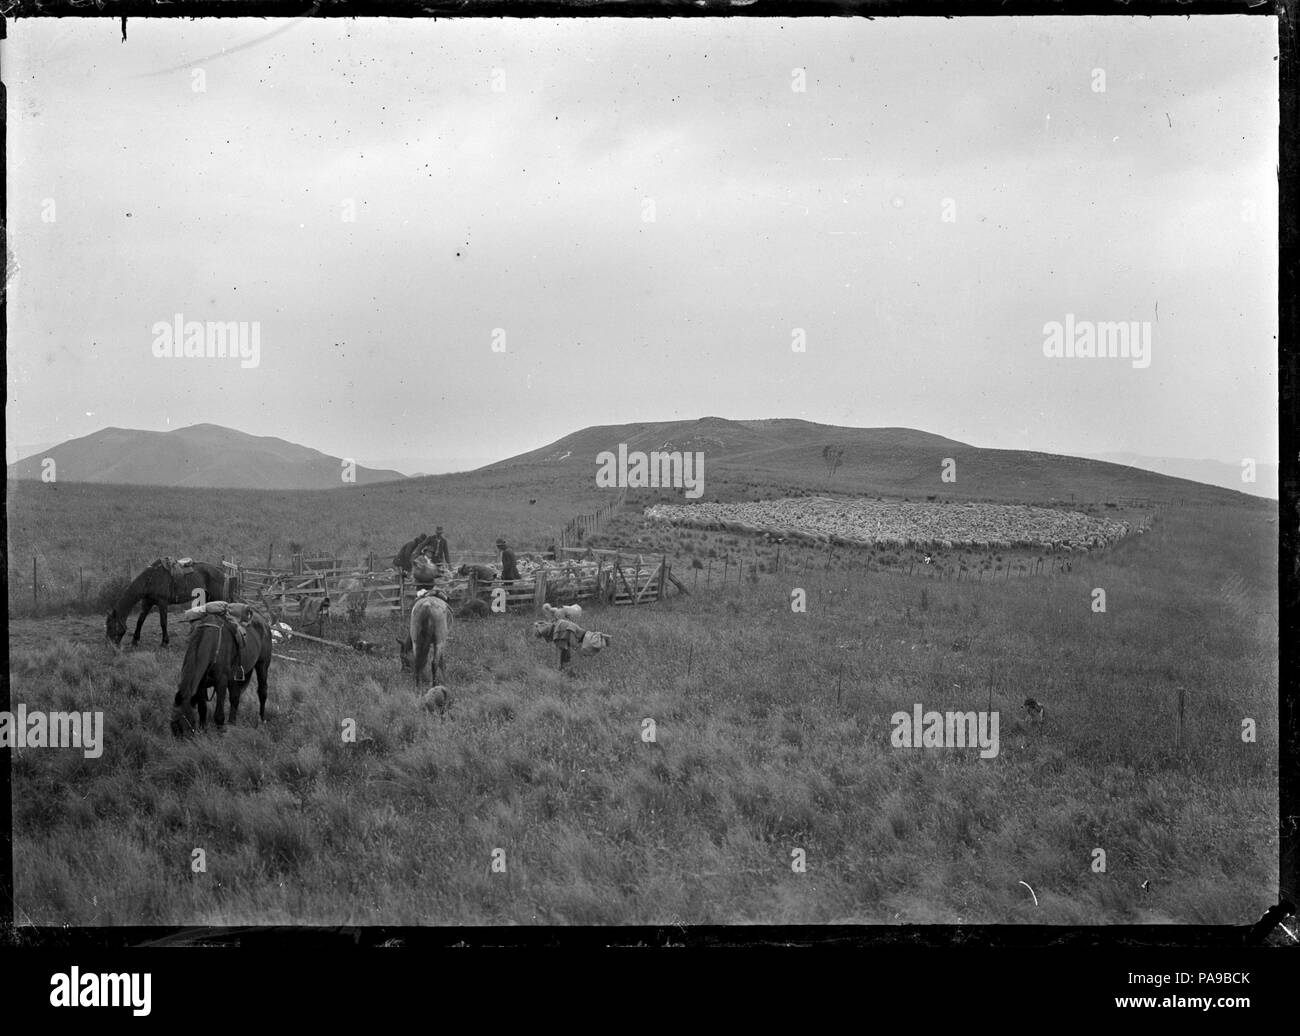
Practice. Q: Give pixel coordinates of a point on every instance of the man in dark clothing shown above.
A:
(408, 551)
(509, 569)
(436, 548)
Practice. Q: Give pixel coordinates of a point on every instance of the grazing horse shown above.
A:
(218, 657)
(430, 627)
(157, 587)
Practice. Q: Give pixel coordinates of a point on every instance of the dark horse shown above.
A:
(216, 657)
(157, 588)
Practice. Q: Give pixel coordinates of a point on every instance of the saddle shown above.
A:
(235, 618)
(178, 567)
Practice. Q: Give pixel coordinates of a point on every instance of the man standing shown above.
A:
(509, 569)
(436, 548)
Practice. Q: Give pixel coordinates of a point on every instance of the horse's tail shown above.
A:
(194, 666)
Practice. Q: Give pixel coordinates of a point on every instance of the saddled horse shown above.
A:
(217, 656)
(158, 587)
(430, 628)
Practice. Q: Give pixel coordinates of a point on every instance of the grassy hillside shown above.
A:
(772, 727)
(878, 461)
(772, 735)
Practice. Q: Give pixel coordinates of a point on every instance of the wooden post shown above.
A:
(81, 578)
(663, 574)
(839, 682)
(708, 581)
(690, 654)
(778, 559)
(539, 593)
(726, 567)
(35, 602)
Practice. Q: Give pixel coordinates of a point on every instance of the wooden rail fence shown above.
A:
(568, 575)
(585, 524)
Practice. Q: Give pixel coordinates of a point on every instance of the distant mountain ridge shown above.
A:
(1209, 472)
(204, 456)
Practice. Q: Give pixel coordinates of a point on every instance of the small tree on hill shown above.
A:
(834, 457)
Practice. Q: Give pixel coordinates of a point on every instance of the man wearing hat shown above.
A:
(435, 547)
(509, 570)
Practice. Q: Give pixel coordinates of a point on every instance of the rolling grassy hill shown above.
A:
(876, 461)
(202, 456)
(87, 534)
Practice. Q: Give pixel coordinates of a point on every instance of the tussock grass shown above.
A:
(753, 758)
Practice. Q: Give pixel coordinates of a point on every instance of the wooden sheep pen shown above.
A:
(563, 576)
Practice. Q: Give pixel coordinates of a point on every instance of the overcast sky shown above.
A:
(500, 171)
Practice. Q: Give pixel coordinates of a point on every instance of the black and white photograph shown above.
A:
(654, 472)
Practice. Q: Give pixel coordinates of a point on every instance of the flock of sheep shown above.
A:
(901, 523)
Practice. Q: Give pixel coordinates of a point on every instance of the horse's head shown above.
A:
(184, 719)
(114, 629)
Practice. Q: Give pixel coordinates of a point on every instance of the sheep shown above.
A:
(572, 612)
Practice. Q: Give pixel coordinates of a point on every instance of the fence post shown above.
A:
(81, 578)
(708, 579)
(35, 602)
(539, 592)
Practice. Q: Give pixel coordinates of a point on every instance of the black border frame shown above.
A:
(1132, 938)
